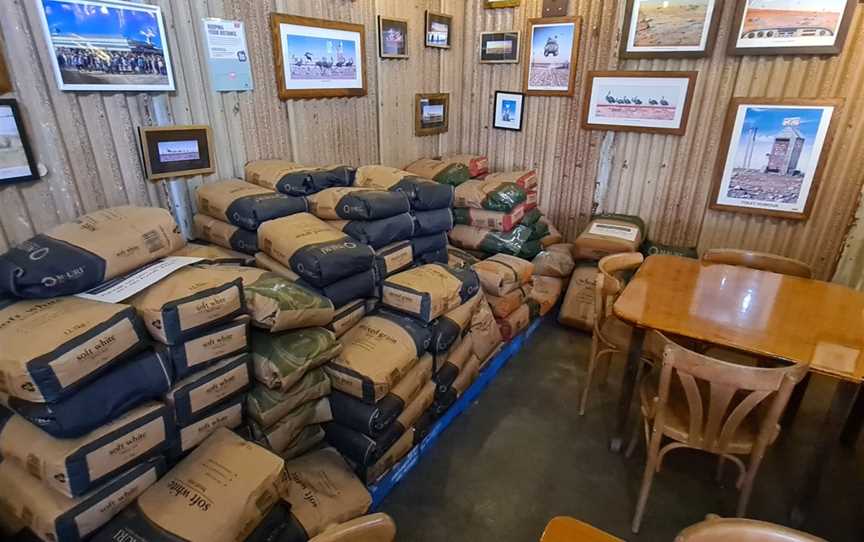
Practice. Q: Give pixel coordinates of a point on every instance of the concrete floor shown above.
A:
(521, 455)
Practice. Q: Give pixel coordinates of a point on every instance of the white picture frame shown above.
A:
(84, 59)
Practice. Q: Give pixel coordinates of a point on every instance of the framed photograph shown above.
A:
(5, 80)
(772, 152)
(669, 28)
(315, 58)
(493, 4)
(176, 151)
(790, 27)
(16, 157)
(438, 28)
(499, 47)
(431, 114)
(508, 110)
(638, 101)
(553, 47)
(106, 45)
(392, 37)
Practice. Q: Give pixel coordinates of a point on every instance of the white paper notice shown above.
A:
(226, 40)
(115, 291)
(628, 233)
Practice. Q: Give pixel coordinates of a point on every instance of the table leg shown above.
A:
(838, 413)
(852, 429)
(628, 385)
(795, 401)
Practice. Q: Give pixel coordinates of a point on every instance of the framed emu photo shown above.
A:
(772, 152)
(638, 101)
(16, 157)
(553, 47)
(316, 58)
(790, 27)
(431, 114)
(669, 29)
(176, 151)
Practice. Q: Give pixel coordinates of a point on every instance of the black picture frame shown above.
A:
(155, 168)
(499, 58)
(496, 101)
(24, 142)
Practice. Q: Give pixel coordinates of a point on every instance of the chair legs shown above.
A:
(647, 479)
(596, 354)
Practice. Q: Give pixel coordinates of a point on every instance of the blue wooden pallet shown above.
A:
(386, 484)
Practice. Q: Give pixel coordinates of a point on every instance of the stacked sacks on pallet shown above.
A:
(430, 209)
(552, 267)
(230, 212)
(506, 280)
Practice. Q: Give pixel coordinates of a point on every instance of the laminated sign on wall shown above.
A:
(227, 56)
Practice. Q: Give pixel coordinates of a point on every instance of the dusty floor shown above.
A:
(522, 454)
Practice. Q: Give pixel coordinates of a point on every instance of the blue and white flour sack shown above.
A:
(214, 344)
(244, 204)
(75, 466)
(432, 222)
(393, 258)
(225, 235)
(355, 203)
(57, 518)
(347, 316)
(380, 232)
(54, 346)
(429, 243)
(126, 385)
(229, 414)
(198, 391)
(423, 194)
(295, 179)
(428, 291)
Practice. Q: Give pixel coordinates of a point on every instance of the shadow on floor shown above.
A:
(521, 454)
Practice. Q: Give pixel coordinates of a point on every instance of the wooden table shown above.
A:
(796, 320)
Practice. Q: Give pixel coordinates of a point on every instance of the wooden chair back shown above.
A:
(762, 261)
(715, 529)
(567, 529)
(371, 528)
(610, 283)
(720, 395)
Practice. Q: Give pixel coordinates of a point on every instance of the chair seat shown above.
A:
(676, 424)
(567, 529)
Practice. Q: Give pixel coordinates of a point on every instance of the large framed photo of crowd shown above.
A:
(106, 45)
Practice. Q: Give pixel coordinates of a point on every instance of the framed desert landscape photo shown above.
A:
(438, 29)
(638, 101)
(431, 114)
(772, 154)
(499, 47)
(106, 45)
(669, 28)
(790, 27)
(392, 37)
(553, 47)
(16, 157)
(316, 58)
(493, 4)
(509, 110)
(176, 151)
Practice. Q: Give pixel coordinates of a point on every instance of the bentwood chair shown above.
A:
(722, 408)
(372, 528)
(717, 529)
(762, 261)
(610, 335)
(567, 529)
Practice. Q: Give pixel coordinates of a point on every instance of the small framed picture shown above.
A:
(392, 37)
(638, 101)
(176, 151)
(663, 29)
(499, 47)
(790, 27)
(316, 58)
(493, 4)
(508, 110)
(431, 114)
(438, 28)
(553, 46)
(106, 45)
(16, 157)
(772, 152)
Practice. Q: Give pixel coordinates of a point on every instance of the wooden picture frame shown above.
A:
(498, 4)
(498, 120)
(293, 82)
(23, 166)
(429, 37)
(183, 159)
(426, 128)
(733, 127)
(530, 78)
(712, 21)
(5, 80)
(627, 120)
(789, 47)
(489, 58)
(381, 40)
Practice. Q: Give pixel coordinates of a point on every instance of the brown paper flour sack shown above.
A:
(515, 322)
(484, 333)
(428, 291)
(423, 194)
(187, 302)
(503, 305)
(609, 234)
(295, 179)
(214, 254)
(546, 291)
(577, 310)
(447, 173)
(225, 235)
(503, 273)
(554, 261)
(52, 347)
(219, 493)
(322, 491)
(244, 204)
(477, 164)
(76, 256)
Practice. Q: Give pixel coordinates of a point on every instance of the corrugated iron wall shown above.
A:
(87, 140)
